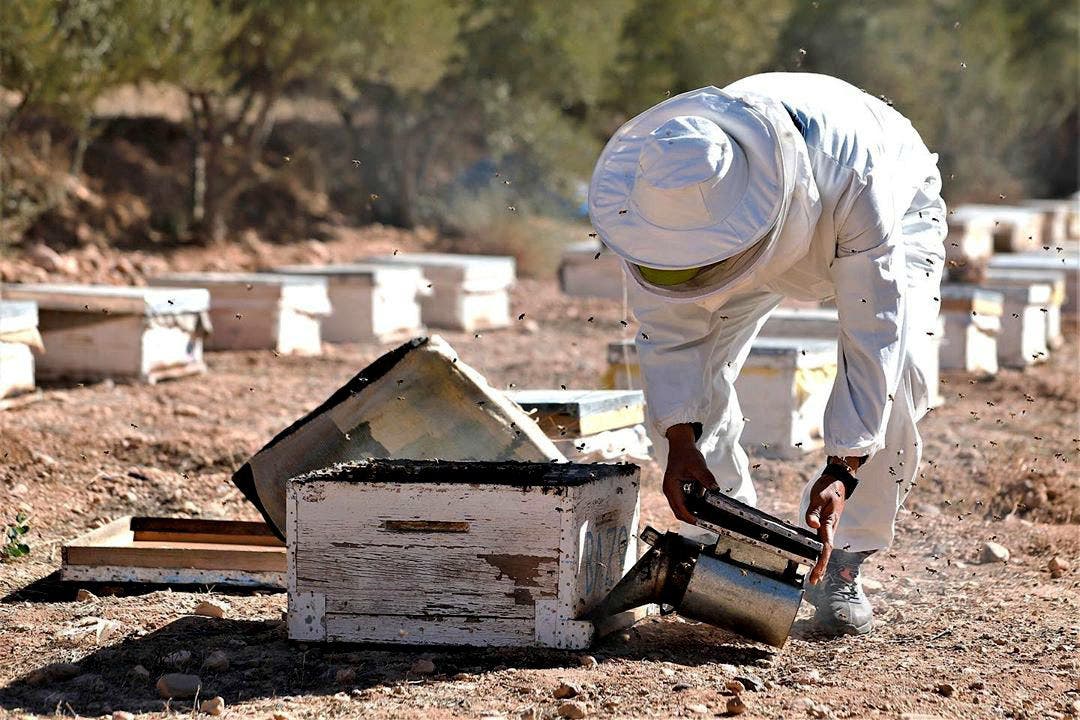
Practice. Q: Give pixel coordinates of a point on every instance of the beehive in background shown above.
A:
(972, 322)
(368, 302)
(18, 334)
(1022, 339)
(1015, 228)
(468, 292)
(1066, 260)
(458, 553)
(260, 311)
(589, 269)
(93, 332)
(590, 425)
(1056, 279)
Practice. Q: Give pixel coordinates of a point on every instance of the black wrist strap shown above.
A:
(843, 474)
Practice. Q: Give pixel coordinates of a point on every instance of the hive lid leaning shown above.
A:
(148, 301)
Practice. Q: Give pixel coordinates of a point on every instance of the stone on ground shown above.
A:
(1057, 566)
(211, 608)
(422, 666)
(178, 685)
(735, 706)
(572, 709)
(217, 661)
(123, 715)
(993, 552)
(213, 706)
(566, 690)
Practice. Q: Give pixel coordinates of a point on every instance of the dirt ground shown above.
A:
(955, 638)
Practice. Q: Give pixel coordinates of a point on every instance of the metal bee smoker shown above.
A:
(750, 581)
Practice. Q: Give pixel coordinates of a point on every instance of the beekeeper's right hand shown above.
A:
(685, 464)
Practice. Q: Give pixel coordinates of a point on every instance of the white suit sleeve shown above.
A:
(869, 275)
(674, 346)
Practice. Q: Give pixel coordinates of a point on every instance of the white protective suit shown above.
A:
(872, 236)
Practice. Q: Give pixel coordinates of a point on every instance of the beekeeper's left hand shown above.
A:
(823, 514)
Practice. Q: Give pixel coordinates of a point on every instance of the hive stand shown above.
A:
(369, 302)
(1067, 261)
(260, 311)
(1022, 340)
(972, 323)
(93, 332)
(458, 553)
(469, 292)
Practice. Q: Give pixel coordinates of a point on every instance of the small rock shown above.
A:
(345, 676)
(734, 686)
(217, 661)
(1057, 566)
(992, 552)
(809, 677)
(54, 672)
(123, 715)
(213, 706)
(751, 682)
(566, 690)
(944, 690)
(735, 706)
(177, 659)
(667, 672)
(573, 709)
(588, 661)
(140, 672)
(529, 714)
(871, 586)
(178, 685)
(422, 666)
(187, 411)
(210, 608)
(819, 711)
(698, 709)
(85, 596)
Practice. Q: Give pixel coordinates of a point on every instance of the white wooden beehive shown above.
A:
(590, 425)
(969, 244)
(1015, 229)
(1022, 339)
(589, 269)
(468, 292)
(1056, 279)
(458, 553)
(18, 332)
(369, 302)
(972, 322)
(818, 323)
(92, 332)
(1060, 218)
(257, 311)
(1067, 261)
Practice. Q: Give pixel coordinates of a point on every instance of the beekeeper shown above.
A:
(783, 185)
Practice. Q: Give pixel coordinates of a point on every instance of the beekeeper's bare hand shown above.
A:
(823, 514)
(685, 464)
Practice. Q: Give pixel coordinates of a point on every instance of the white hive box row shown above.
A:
(92, 332)
(972, 322)
(459, 553)
(969, 245)
(255, 311)
(1061, 219)
(368, 302)
(18, 334)
(999, 278)
(589, 425)
(468, 292)
(1023, 337)
(589, 269)
(783, 389)
(1015, 229)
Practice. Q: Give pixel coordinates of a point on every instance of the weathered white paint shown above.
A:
(969, 244)
(1022, 340)
(170, 576)
(468, 292)
(583, 274)
(370, 302)
(91, 332)
(1066, 260)
(260, 311)
(1016, 228)
(1061, 218)
(972, 322)
(456, 562)
(16, 370)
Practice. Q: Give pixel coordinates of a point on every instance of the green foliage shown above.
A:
(15, 545)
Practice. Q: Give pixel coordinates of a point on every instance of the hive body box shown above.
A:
(1061, 219)
(1000, 278)
(1016, 229)
(819, 323)
(589, 425)
(91, 332)
(369, 302)
(1067, 261)
(469, 292)
(969, 245)
(1022, 340)
(484, 554)
(583, 274)
(783, 389)
(18, 332)
(972, 323)
(254, 311)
